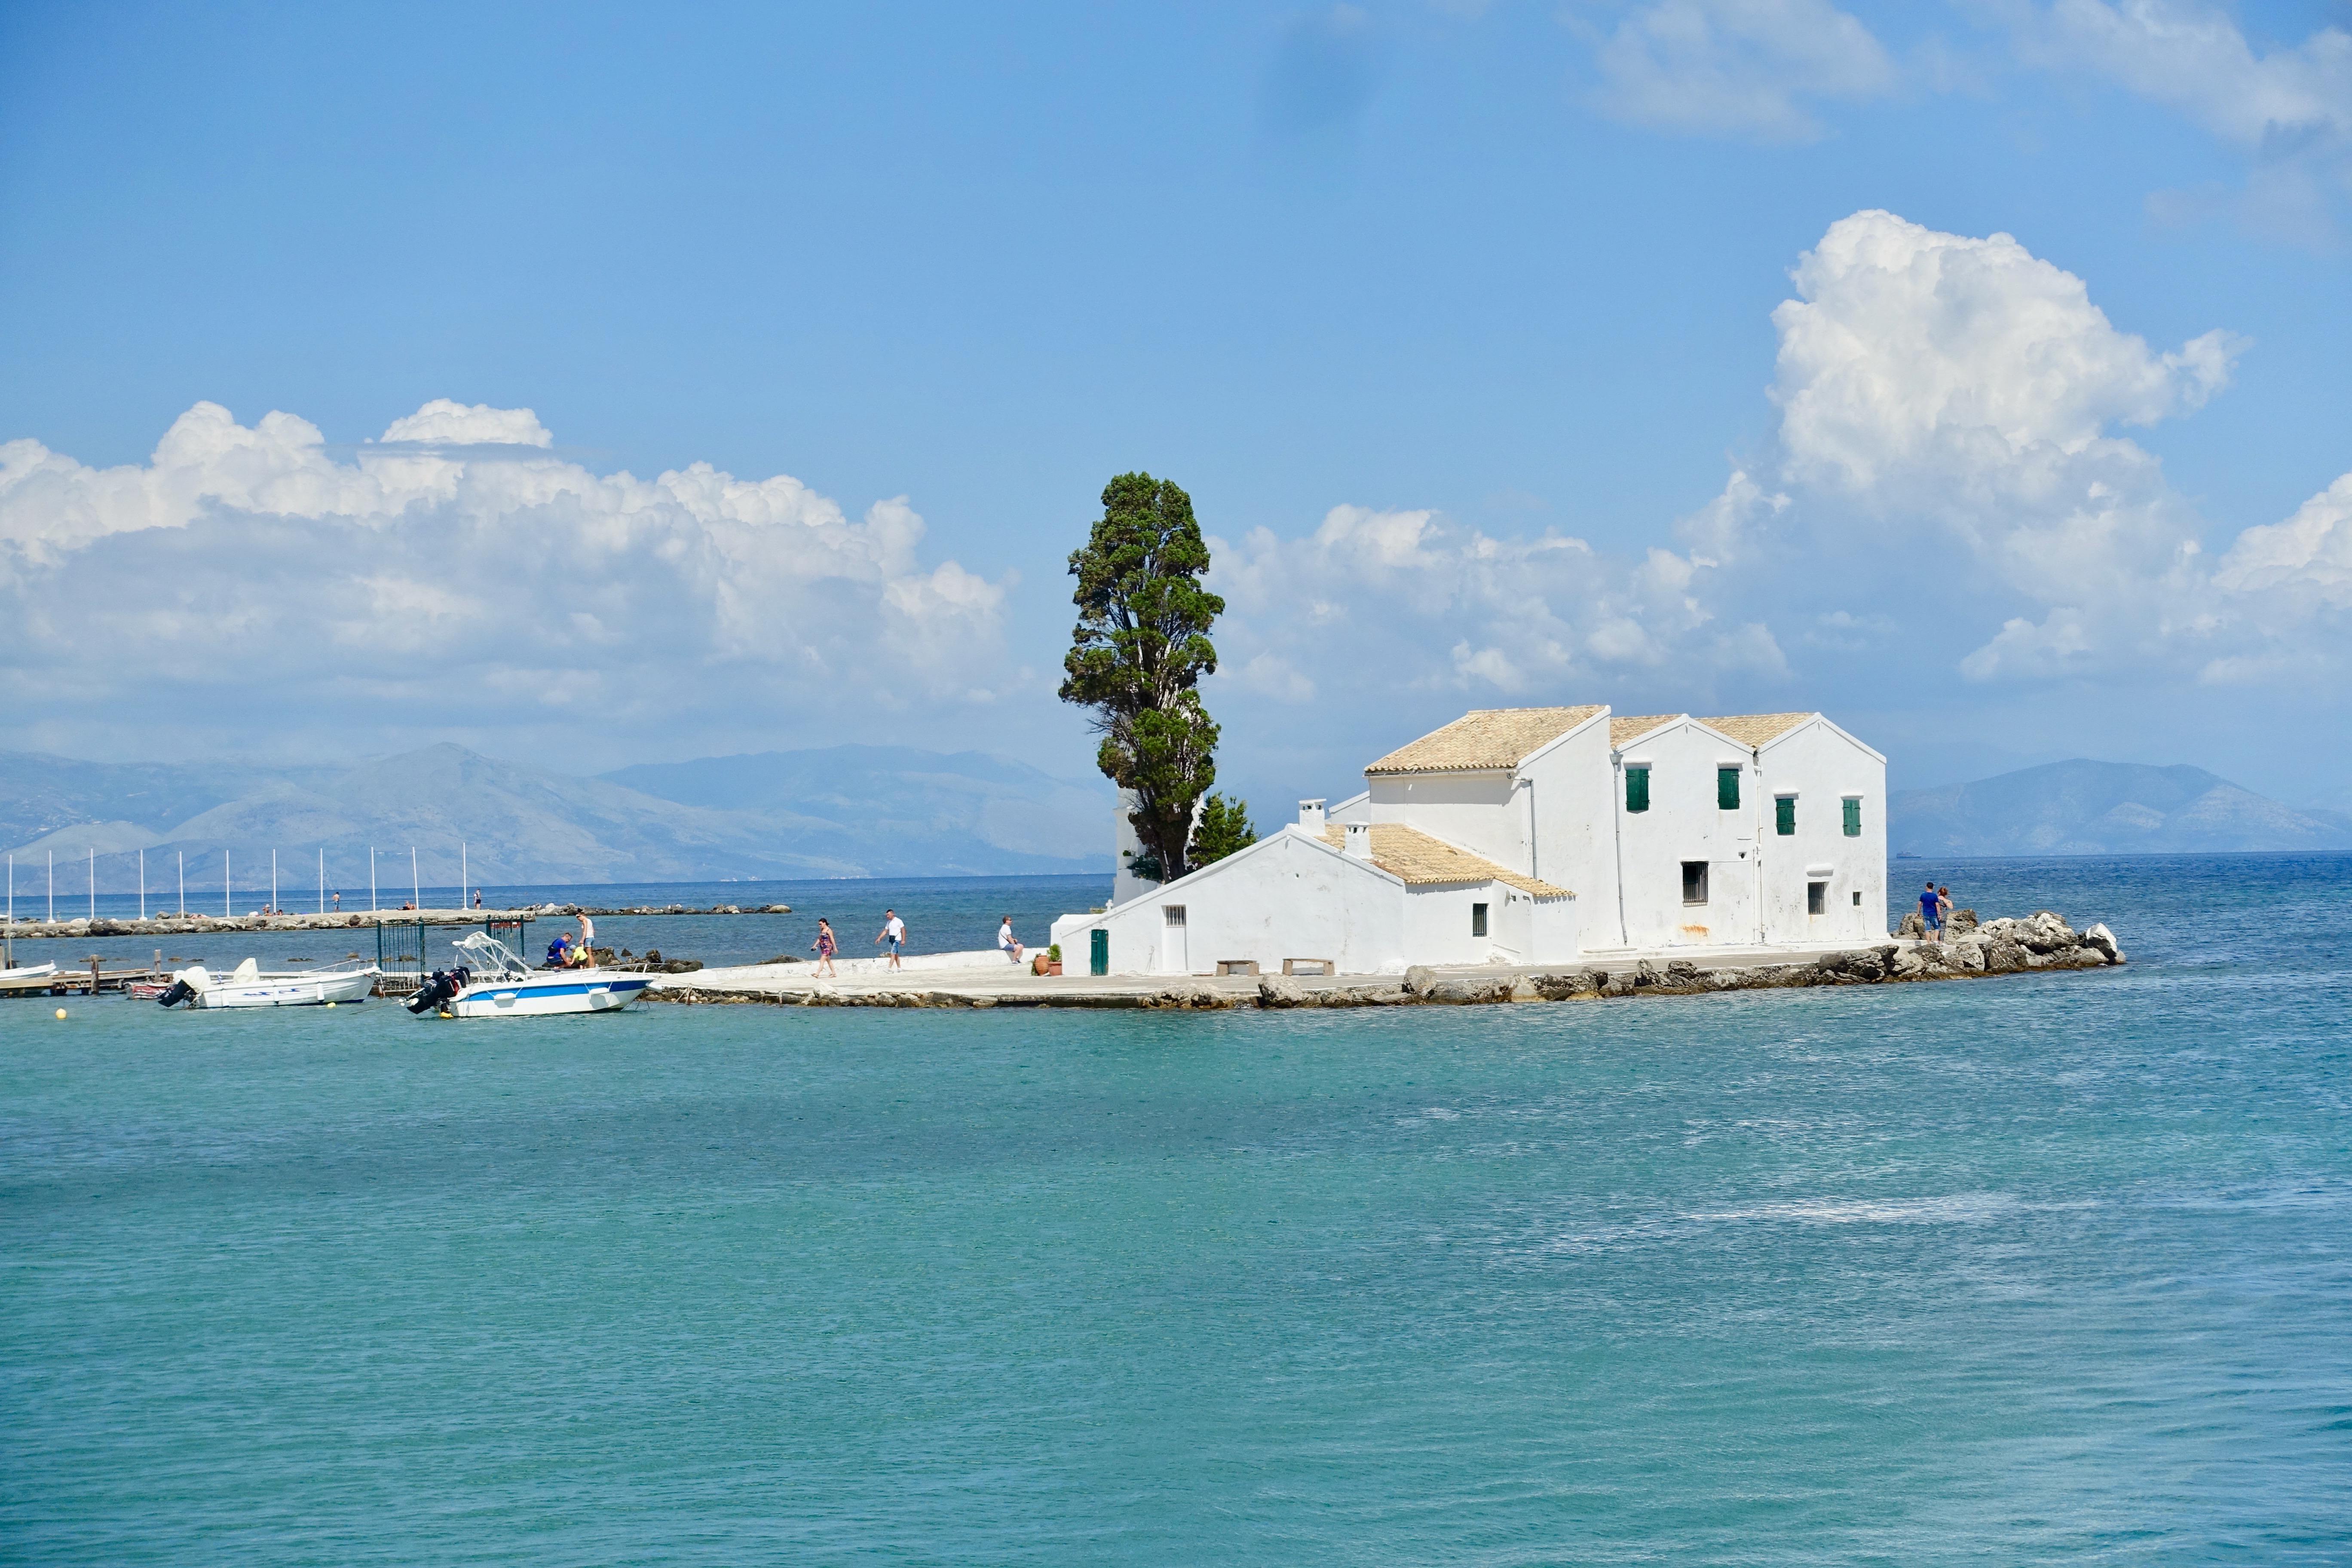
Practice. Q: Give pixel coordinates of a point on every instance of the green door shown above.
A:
(1098, 952)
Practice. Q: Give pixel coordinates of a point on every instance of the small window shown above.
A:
(1693, 881)
(1726, 789)
(1172, 913)
(1857, 899)
(1854, 817)
(1784, 816)
(1637, 789)
(1477, 919)
(1817, 897)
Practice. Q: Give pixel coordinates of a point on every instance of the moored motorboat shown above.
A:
(29, 971)
(492, 982)
(248, 986)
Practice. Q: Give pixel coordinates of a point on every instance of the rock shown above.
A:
(1195, 997)
(1962, 922)
(2047, 932)
(2004, 954)
(1970, 954)
(1418, 979)
(777, 909)
(1280, 991)
(1913, 963)
(1560, 987)
(1462, 993)
(2103, 941)
(681, 967)
(1732, 979)
(1913, 924)
(1617, 984)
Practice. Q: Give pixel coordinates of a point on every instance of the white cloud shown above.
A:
(1949, 415)
(1737, 66)
(2288, 112)
(461, 564)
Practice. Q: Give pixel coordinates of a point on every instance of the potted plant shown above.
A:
(1048, 961)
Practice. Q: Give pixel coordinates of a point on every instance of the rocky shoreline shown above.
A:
(2041, 941)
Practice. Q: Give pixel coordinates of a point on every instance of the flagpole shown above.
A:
(53, 886)
(225, 885)
(93, 882)
(461, 873)
(370, 879)
(142, 881)
(323, 878)
(415, 888)
(183, 884)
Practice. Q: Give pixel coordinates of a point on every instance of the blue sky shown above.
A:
(1500, 279)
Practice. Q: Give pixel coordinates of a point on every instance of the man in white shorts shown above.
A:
(894, 935)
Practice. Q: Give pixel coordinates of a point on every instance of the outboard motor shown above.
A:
(444, 984)
(179, 990)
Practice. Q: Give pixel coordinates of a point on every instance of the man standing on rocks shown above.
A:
(894, 934)
(1931, 908)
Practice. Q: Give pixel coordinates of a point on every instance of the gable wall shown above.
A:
(1483, 812)
(1822, 766)
(1683, 823)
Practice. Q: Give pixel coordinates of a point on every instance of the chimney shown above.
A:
(1360, 841)
(1310, 816)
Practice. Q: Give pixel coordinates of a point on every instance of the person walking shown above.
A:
(1931, 913)
(825, 947)
(1009, 944)
(893, 936)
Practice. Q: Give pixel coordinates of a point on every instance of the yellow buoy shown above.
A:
(61, 1012)
(330, 1003)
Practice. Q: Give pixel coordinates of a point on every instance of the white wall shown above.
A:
(1683, 823)
(1820, 764)
(1567, 784)
(1286, 896)
(1484, 813)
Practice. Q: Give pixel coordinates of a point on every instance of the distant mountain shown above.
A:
(2103, 808)
(847, 812)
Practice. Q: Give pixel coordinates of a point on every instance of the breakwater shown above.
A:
(2000, 947)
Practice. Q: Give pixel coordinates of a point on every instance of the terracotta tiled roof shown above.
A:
(1755, 728)
(1483, 738)
(1623, 730)
(1414, 856)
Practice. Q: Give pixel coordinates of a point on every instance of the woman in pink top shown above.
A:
(826, 946)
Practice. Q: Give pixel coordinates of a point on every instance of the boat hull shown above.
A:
(551, 997)
(286, 991)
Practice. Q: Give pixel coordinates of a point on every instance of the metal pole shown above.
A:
(94, 887)
(225, 885)
(142, 881)
(461, 873)
(370, 879)
(415, 888)
(323, 878)
(183, 884)
(53, 886)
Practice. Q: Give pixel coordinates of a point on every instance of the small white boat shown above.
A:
(247, 986)
(30, 972)
(492, 982)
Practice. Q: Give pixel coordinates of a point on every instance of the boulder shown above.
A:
(1462, 992)
(1913, 924)
(1280, 991)
(2047, 932)
(1733, 979)
(1194, 998)
(1912, 963)
(1962, 922)
(2103, 941)
(1968, 953)
(1560, 987)
(1418, 979)
(2004, 954)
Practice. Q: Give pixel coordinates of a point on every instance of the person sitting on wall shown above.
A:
(1006, 941)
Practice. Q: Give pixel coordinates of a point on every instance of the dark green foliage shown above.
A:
(1224, 826)
(1140, 647)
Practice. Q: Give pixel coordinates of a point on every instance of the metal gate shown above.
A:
(400, 954)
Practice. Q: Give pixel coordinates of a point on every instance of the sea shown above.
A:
(2042, 1268)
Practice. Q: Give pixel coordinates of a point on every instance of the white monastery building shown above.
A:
(1534, 836)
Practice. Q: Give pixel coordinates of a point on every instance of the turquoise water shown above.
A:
(2046, 1268)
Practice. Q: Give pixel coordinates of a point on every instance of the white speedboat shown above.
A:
(30, 972)
(492, 982)
(247, 986)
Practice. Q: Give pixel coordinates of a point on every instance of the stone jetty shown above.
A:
(1997, 947)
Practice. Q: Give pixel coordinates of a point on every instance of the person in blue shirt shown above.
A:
(1931, 911)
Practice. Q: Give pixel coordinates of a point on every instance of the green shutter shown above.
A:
(1726, 789)
(1853, 817)
(1784, 816)
(1637, 789)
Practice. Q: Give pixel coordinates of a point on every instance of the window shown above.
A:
(1637, 789)
(1693, 881)
(1172, 913)
(1477, 919)
(1857, 899)
(1854, 817)
(1817, 897)
(1784, 815)
(1726, 789)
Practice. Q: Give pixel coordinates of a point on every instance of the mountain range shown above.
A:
(845, 811)
(2104, 808)
(876, 811)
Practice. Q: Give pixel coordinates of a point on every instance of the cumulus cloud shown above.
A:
(2288, 112)
(1737, 66)
(1962, 396)
(1433, 606)
(459, 573)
